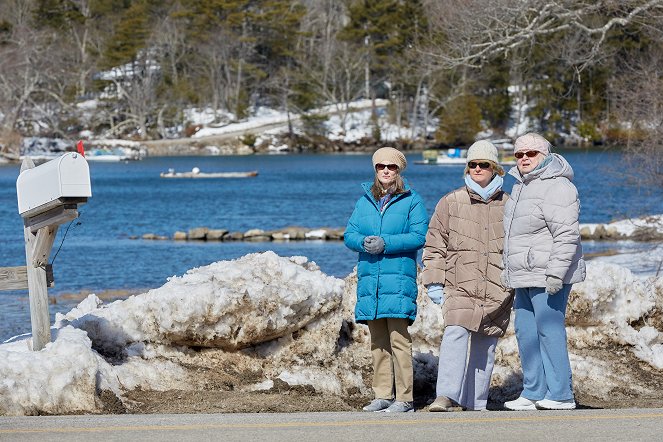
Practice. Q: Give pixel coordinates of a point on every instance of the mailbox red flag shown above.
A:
(79, 147)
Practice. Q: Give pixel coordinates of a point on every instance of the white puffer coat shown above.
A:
(541, 233)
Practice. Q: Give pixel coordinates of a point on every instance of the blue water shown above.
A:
(317, 190)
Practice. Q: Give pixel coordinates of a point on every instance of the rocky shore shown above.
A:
(284, 234)
(649, 228)
(249, 144)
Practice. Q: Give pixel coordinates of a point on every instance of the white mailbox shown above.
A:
(53, 183)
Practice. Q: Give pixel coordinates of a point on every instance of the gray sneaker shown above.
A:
(400, 407)
(378, 405)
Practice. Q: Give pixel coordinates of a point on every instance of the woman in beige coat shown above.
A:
(462, 265)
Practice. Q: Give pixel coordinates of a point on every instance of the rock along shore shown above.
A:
(284, 234)
(648, 228)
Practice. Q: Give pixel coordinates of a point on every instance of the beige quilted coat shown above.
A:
(463, 252)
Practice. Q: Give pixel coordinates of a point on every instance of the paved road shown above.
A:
(620, 425)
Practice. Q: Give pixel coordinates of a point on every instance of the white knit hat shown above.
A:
(532, 141)
(482, 150)
(391, 155)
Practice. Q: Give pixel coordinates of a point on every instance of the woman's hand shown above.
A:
(553, 285)
(436, 293)
(374, 245)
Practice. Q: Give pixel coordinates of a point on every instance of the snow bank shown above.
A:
(229, 305)
(59, 379)
(263, 318)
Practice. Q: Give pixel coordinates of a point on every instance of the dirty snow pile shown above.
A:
(228, 304)
(262, 319)
(258, 298)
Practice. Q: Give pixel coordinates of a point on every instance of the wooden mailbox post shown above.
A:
(48, 195)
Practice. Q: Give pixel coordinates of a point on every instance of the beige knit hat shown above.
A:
(390, 155)
(532, 141)
(482, 150)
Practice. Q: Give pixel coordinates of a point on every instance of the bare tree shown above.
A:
(638, 106)
(135, 96)
(22, 71)
(476, 30)
(334, 68)
(219, 63)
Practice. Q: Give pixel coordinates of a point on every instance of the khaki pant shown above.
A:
(391, 346)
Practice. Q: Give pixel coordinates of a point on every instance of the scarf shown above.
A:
(544, 163)
(485, 193)
(383, 202)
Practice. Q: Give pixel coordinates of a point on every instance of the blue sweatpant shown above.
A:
(541, 337)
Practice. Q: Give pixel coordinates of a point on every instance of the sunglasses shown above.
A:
(474, 164)
(392, 167)
(529, 153)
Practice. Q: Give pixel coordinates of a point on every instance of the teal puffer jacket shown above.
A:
(387, 283)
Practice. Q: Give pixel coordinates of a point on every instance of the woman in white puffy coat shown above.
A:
(542, 259)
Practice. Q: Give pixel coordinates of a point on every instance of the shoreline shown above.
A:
(234, 144)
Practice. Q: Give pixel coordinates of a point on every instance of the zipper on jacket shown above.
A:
(382, 212)
(506, 237)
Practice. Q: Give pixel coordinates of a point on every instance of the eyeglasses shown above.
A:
(474, 164)
(529, 153)
(392, 167)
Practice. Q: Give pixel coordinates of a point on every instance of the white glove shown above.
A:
(553, 285)
(436, 293)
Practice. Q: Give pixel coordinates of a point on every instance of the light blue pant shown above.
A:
(464, 379)
(541, 336)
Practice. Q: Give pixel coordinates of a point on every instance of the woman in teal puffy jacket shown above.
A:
(387, 227)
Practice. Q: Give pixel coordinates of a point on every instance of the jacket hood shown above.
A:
(557, 167)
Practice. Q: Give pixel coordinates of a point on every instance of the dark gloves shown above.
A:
(374, 245)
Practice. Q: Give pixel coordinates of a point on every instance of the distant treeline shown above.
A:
(569, 66)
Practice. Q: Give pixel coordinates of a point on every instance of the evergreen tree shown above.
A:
(491, 88)
(130, 34)
(386, 28)
(460, 121)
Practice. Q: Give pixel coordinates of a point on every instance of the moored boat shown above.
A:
(111, 155)
(196, 173)
(458, 155)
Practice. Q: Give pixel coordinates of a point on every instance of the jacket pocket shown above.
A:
(529, 261)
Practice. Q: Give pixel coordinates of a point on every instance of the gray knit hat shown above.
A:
(532, 141)
(482, 150)
(390, 155)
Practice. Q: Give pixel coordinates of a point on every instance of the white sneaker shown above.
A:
(520, 404)
(549, 404)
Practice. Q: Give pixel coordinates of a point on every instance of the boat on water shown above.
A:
(111, 155)
(100, 155)
(196, 173)
(458, 155)
(451, 156)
